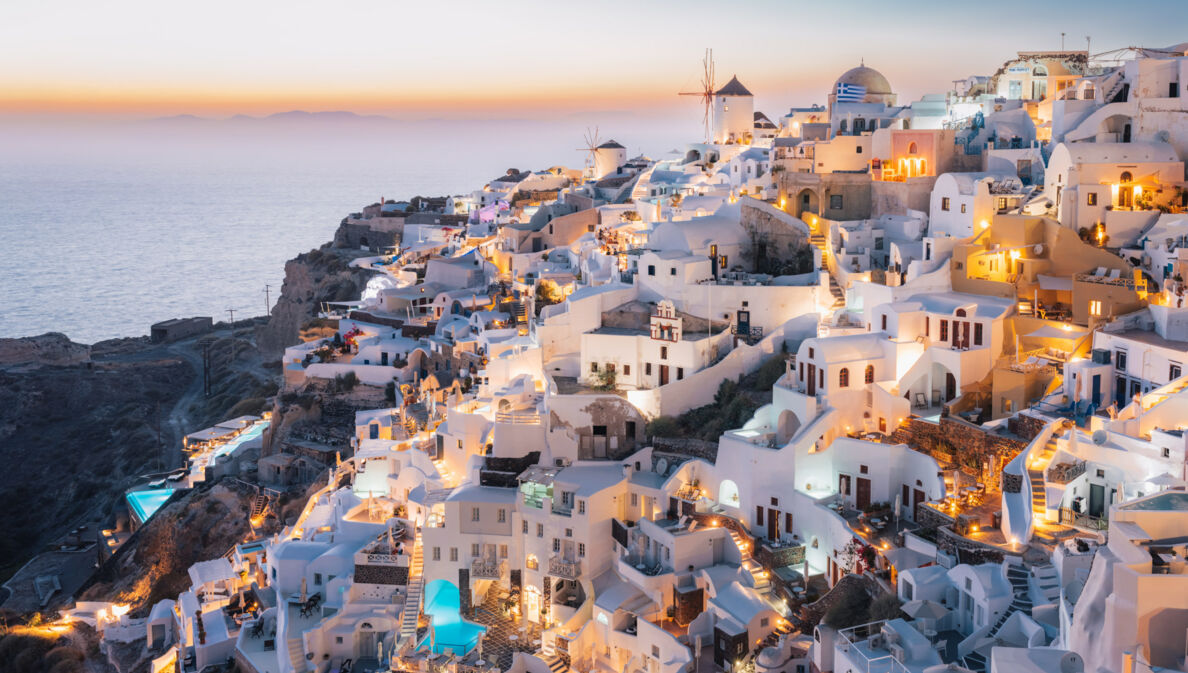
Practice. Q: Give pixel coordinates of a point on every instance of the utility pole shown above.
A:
(267, 301)
(232, 312)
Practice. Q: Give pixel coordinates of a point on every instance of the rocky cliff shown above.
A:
(51, 348)
(322, 274)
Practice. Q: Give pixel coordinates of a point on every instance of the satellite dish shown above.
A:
(662, 466)
(1099, 437)
(1038, 249)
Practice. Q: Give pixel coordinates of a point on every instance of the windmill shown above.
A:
(707, 92)
(591, 148)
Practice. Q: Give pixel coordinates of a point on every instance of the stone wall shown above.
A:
(682, 448)
(381, 574)
(896, 198)
(354, 235)
(929, 517)
(966, 550)
(1025, 425)
(773, 236)
(965, 446)
(812, 614)
(687, 604)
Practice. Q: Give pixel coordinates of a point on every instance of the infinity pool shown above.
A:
(450, 631)
(144, 504)
(255, 431)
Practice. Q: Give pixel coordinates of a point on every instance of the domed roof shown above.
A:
(870, 78)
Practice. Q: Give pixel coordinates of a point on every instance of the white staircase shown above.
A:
(297, 655)
(762, 583)
(557, 664)
(1047, 581)
(412, 599)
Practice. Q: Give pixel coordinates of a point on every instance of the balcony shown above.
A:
(518, 417)
(1113, 278)
(563, 567)
(487, 569)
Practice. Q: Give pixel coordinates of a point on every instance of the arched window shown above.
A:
(1039, 71)
(960, 313)
(843, 378)
(870, 373)
(912, 149)
(1126, 177)
(841, 127)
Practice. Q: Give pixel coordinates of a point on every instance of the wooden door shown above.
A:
(917, 498)
(905, 500)
(812, 379)
(663, 375)
(950, 386)
(773, 524)
(862, 494)
(965, 334)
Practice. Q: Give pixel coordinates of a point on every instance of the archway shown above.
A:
(1118, 126)
(786, 426)
(728, 493)
(806, 201)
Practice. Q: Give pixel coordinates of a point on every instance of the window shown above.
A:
(651, 269)
(858, 149)
(593, 367)
(474, 513)
(884, 322)
(963, 208)
(835, 201)
(821, 377)
(863, 469)
(337, 640)
(556, 544)
(775, 502)
(927, 332)
(1095, 308)
(763, 623)
(540, 530)
(945, 203)
(977, 334)
(1002, 203)
(454, 554)
(680, 373)
(944, 335)
(912, 149)
(672, 271)
(502, 516)
(626, 370)
(568, 532)
(1091, 199)
(1173, 371)
(635, 500)
(502, 551)
(1101, 474)
(524, 527)
(437, 553)
(581, 506)
(664, 352)
(1120, 360)
(869, 374)
(647, 369)
(474, 549)
(318, 579)
(582, 549)
(810, 352)
(531, 562)
(1007, 405)
(1166, 452)
(843, 378)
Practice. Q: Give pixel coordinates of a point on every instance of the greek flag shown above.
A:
(850, 93)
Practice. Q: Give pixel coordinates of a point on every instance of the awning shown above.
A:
(1054, 282)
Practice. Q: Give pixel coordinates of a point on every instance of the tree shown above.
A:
(547, 294)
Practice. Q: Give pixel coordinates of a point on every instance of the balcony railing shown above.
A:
(563, 567)
(487, 569)
(518, 417)
(1062, 473)
(1121, 281)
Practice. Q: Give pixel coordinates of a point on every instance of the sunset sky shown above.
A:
(146, 58)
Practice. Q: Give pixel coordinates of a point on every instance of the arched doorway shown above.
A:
(1125, 190)
(532, 603)
(728, 493)
(806, 201)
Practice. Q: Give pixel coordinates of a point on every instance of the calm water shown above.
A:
(106, 231)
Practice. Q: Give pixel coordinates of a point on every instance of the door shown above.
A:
(663, 375)
(812, 379)
(672, 508)
(905, 500)
(532, 603)
(773, 524)
(950, 386)
(917, 498)
(384, 359)
(1097, 390)
(862, 495)
(1096, 500)
(965, 335)
(1120, 392)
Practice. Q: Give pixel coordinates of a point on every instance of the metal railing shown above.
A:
(487, 568)
(563, 567)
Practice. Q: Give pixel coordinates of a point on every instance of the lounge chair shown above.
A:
(921, 403)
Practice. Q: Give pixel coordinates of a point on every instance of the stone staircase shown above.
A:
(412, 599)
(1035, 471)
(1047, 580)
(1020, 580)
(259, 505)
(297, 655)
(557, 664)
(762, 583)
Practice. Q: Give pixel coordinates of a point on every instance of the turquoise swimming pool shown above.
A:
(144, 504)
(1164, 502)
(450, 631)
(255, 431)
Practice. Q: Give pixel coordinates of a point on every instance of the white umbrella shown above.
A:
(924, 609)
(898, 505)
(1166, 481)
(303, 590)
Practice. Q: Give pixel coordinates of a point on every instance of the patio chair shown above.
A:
(921, 403)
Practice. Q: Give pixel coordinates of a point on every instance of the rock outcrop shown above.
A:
(322, 274)
(51, 348)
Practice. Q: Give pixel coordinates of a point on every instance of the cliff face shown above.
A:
(51, 348)
(322, 274)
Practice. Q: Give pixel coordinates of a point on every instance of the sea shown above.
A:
(107, 228)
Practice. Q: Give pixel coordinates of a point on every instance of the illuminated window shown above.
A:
(944, 335)
(1095, 308)
(843, 378)
(870, 373)
(1091, 199)
(945, 203)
